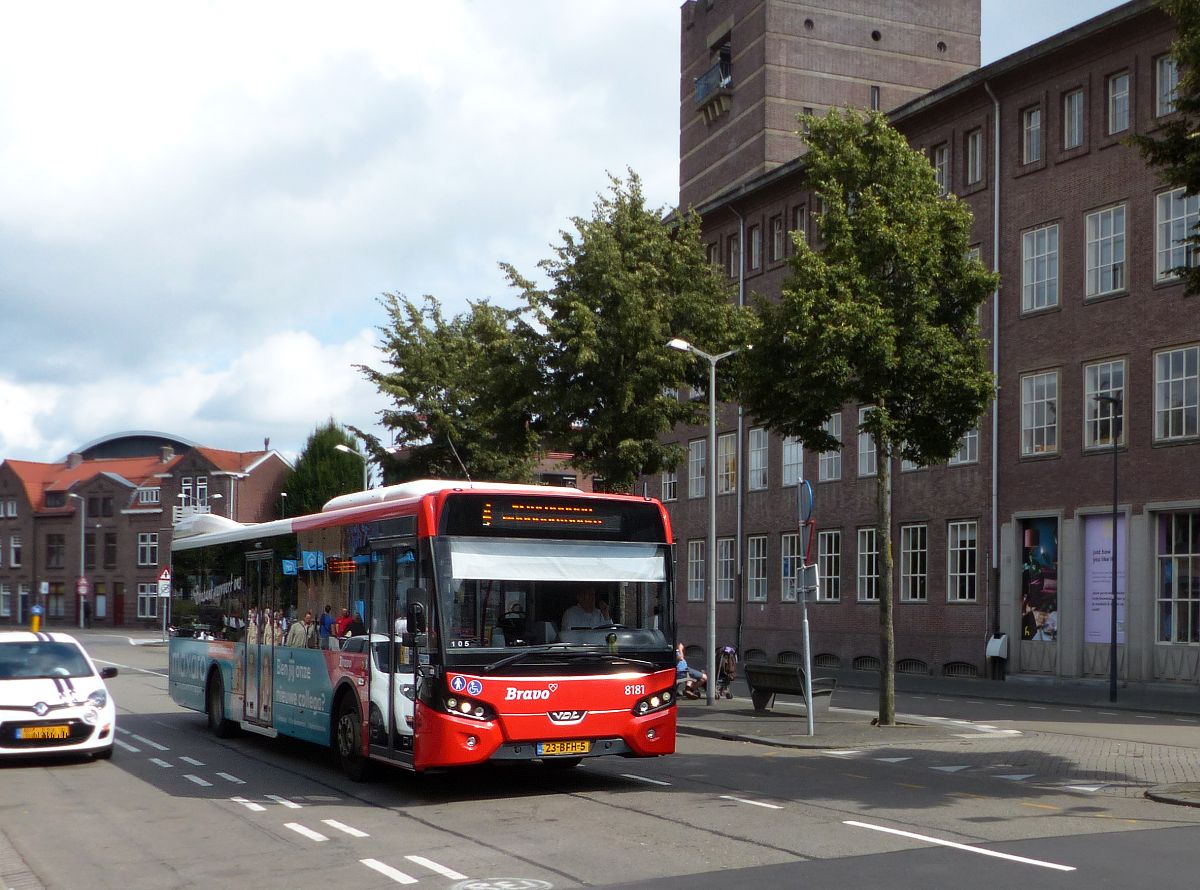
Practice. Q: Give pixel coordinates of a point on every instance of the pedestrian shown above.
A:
(343, 622)
(325, 627)
(303, 634)
(356, 628)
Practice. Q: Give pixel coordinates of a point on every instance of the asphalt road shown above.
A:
(179, 808)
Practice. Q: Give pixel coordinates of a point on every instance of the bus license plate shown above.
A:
(43, 732)
(551, 749)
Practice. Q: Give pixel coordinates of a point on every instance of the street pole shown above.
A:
(82, 518)
(366, 467)
(1114, 406)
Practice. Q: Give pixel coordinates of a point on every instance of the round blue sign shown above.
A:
(36, 610)
(458, 684)
(474, 687)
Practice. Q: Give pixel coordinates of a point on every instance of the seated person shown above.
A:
(694, 681)
(585, 614)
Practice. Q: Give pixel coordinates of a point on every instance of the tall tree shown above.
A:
(462, 390)
(1175, 148)
(321, 471)
(621, 285)
(883, 316)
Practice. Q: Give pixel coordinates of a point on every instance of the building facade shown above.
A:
(1095, 349)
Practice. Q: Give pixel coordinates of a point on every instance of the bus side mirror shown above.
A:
(417, 606)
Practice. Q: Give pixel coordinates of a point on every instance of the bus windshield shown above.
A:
(501, 593)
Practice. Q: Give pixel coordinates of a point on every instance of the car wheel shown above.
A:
(218, 723)
(347, 741)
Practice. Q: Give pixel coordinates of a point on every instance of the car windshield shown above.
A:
(384, 660)
(35, 659)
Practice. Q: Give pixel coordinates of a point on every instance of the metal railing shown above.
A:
(712, 81)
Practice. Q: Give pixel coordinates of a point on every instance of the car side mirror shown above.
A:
(107, 673)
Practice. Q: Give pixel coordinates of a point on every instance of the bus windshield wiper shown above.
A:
(548, 649)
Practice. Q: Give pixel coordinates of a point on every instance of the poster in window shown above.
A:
(1098, 579)
(1039, 580)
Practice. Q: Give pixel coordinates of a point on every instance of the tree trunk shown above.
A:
(887, 635)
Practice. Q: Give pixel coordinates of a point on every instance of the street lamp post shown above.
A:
(283, 505)
(1114, 410)
(711, 482)
(366, 470)
(80, 584)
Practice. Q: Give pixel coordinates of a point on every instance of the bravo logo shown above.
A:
(511, 694)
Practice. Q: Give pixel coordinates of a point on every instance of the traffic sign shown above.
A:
(165, 574)
(82, 587)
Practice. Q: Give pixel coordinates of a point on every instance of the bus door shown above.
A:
(393, 571)
(262, 602)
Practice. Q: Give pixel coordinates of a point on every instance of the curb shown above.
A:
(1183, 795)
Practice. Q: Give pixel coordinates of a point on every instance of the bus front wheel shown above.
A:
(347, 741)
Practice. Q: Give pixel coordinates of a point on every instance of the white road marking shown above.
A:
(965, 847)
(145, 741)
(1001, 704)
(893, 759)
(1017, 777)
(228, 778)
(949, 769)
(753, 803)
(1146, 716)
(387, 871)
(290, 804)
(343, 827)
(126, 667)
(644, 779)
(1072, 710)
(307, 832)
(249, 804)
(440, 869)
(841, 753)
(1036, 707)
(157, 762)
(193, 761)
(199, 781)
(1088, 789)
(971, 702)
(1107, 713)
(127, 746)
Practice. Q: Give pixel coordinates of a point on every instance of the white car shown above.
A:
(380, 665)
(52, 697)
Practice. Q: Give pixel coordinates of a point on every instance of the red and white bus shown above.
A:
(503, 623)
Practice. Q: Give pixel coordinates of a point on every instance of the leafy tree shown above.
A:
(622, 285)
(462, 389)
(321, 471)
(1176, 149)
(884, 316)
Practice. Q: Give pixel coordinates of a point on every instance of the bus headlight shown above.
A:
(657, 701)
(466, 707)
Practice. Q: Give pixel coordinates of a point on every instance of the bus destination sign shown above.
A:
(536, 514)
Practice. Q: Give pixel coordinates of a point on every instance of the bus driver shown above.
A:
(585, 615)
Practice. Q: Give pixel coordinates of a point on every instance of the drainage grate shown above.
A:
(866, 663)
(912, 666)
(960, 669)
(827, 660)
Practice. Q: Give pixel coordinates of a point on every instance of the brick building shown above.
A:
(1015, 532)
(106, 513)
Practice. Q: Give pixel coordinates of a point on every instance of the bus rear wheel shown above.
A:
(218, 723)
(347, 741)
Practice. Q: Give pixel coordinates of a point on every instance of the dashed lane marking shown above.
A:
(753, 803)
(644, 779)
(234, 779)
(387, 871)
(133, 749)
(1039, 806)
(950, 769)
(192, 760)
(964, 847)
(290, 804)
(158, 762)
(306, 832)
(249, 804)
(437, 867)
(841, 753)
(1017, 777)
(203, 783)
(892, 759)
(344, 828)
(1087, 789)
(145, 741)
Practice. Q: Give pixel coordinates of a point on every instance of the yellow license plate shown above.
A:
(551, 749)
(44, 732)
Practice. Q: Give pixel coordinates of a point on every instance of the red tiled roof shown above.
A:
(38, 478)
(230, 461)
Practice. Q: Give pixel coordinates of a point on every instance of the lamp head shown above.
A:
(681, 345)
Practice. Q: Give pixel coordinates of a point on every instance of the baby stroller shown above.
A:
(726, 671)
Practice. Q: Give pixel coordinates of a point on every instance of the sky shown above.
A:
(202, 204)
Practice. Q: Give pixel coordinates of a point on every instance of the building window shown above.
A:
(777, 242)
(1073, 119)
(874, 98)
(713, 253)
(961, 552)
(1178, 214)
(829, 464)
(1039, 262)
(56, 601)
(1100, 417)
(866, 445)
(758, 458)
(1106, 251)
(974, 156)
(110, 550)
(800, 223)
(1178, 580)
(1176, 384)
(5, 601)
(148, 495)
(89, 550)
(1031, 131)
(968, 449)
(147, 595)
(1167, 85)
(725, 567)
(695, 575)
(755, 247)
(14, 552)
(1118, 103)
(1039, 413)
(185, 491)
(734, 253)
(914, 558)
(201, 492)
(868, 566)
(941, 167)
(670, 485)
(696, 469)
(10, 508)
(756, 568)
(148, 548)
(56, 551)
(793, 461)
(789, 575)
(829, 565)
(726, 463)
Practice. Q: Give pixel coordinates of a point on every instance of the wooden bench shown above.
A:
(768, 680)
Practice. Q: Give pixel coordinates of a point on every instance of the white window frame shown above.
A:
(733, 249)
(1039, 413)
(726, 569)
(868, 464)
(1031, 135)
(1106, 270)
(968, 449)
(829, 464)
(867, 582)
(757, 459)
(778, 242)
(1166, 82)
(756, 568)
(1103, 379)
(962, 561)
(755, 247)
(1073, 109)
(695, 577)
(789, 566)
(914, 563)
(696, 468)
(1176, 216)
(727, 463)
(15, 551)
(147, 548)
(793, 461)
(11, 508)
(1176, 382)
(1118, 102)
(829, 564)
(147, 600)
(670, 485)
(1176, 559)
(185, 491)
(149, 495)
(1039, 268)
(975, 156)
(5, 600)
(940, 158)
